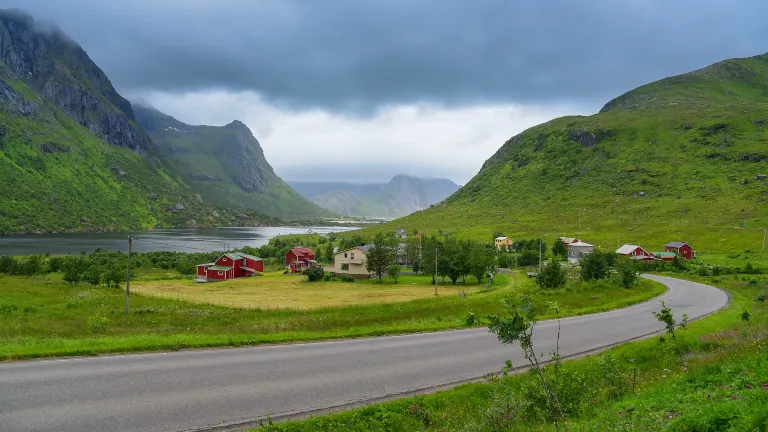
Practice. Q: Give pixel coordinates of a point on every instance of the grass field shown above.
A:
(42, 316)
(276, 290)
(639, 386)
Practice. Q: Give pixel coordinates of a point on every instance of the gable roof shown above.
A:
(301, 252)
(569, 240)
(677, 244)
(501, 238)
(219, 268)
(362, 248)
(627, 249)
(233, 256)
(251, 257)
(580, 243)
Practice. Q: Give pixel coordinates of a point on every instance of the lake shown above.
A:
(181, 240)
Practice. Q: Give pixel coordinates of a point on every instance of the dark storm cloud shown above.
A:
(352, 54)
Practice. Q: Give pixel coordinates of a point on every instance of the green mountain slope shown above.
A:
(683, 158)
(401, 196)
(72, 156)
(225, 164)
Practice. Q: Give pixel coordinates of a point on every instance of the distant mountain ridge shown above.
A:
(225, 164)
(399, 197)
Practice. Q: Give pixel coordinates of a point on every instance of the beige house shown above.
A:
(503, 243)
(351, 262)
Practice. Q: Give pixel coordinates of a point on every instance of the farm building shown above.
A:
(231, 266)
(299, 258)
(635, 252)
(503, 243)
(682, 249)
(351, 262)
(665, 256)
(577, 250)
(401, 233)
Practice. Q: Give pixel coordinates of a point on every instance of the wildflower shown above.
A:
(749, 387)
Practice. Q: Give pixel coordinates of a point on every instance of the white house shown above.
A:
(578, 249)
(351, 262)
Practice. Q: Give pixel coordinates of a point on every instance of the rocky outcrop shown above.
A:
(250, 170)
(59, 70)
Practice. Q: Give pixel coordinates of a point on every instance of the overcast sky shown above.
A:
(361, 90)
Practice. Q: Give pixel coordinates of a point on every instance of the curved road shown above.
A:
(191, 390)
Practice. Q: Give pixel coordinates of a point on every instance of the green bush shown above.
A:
(314, 273)
(346, 278)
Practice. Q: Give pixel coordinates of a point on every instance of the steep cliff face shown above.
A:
(225, 164)
(58, 69)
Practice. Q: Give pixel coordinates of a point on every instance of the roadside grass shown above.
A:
(636, 386)
(276, 290)
(44, 317)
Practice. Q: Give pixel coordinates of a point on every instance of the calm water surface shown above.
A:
(182, 240)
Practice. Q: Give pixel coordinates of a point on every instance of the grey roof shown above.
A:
(676, 244)
(366, 247)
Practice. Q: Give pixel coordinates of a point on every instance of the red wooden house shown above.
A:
(299, 258)
(635, 252)
(230, 266)
(682, 249)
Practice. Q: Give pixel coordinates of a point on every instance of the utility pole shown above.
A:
(765, 232)
(128, 275)
(539, 254)
(435, 271)
(579, 219)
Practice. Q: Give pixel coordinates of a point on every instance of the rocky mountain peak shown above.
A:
(58, 69)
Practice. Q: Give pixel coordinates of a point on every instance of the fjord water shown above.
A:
(181, 240)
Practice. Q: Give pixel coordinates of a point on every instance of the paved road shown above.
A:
(199, 389)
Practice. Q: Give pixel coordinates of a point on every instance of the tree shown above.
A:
(594, 265)
(559, 249)
(528, 258)
(480, 260)
(416, 267)
(394, 272)
(380, 256)
(551, 276)
(314, 273)
(627, 273)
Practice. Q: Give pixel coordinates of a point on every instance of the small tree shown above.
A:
(551, 276)
(559, 249)
(416, 267)
(380, 256)
(665, 316)
(394, 272)
(594, 266)
(314, 273)
(627, 273)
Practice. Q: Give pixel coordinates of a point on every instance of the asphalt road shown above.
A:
(190, 390)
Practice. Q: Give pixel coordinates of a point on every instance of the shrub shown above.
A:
(594, 266)
(314, 273)
(346, 278)
(551, 276)
(97, 323)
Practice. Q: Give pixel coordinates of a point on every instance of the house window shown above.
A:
(221, 273)
(352, 255)
(345, 255)
(345, 267)
(224, 259)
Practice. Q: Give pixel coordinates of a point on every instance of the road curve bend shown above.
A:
(204, 389)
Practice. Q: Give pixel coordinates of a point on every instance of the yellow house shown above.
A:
(503, 243)
(351, 262)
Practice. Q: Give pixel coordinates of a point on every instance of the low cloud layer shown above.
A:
(318, 145)
(363, 90)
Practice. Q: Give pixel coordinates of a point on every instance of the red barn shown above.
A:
(635, 252)
(230, 266)
(682, 249)
(299, 258)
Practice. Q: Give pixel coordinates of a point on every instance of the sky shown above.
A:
(351, 90)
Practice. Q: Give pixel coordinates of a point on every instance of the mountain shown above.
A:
(225, 164)
(401, 196)
(683, 158)
(72, 156)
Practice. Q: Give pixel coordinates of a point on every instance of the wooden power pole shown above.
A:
(128, 275)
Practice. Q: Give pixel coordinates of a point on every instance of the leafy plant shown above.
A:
(551, 276)
(314, 273)
(666, 316)
(394, 272)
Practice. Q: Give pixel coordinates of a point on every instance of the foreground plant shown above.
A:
(666, 316)
(518, 327)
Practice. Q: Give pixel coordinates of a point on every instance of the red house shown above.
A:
(635, 252)
(230, 266)
(299, 258)
(682, 249)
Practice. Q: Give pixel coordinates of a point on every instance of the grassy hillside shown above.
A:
(226, 165)
(55, 175)
(678, 159)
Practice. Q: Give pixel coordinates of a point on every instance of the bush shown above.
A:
(314, 273)
(594, 265)
(97, 323)
(346, 278)
(551, 276)
(327, 277)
